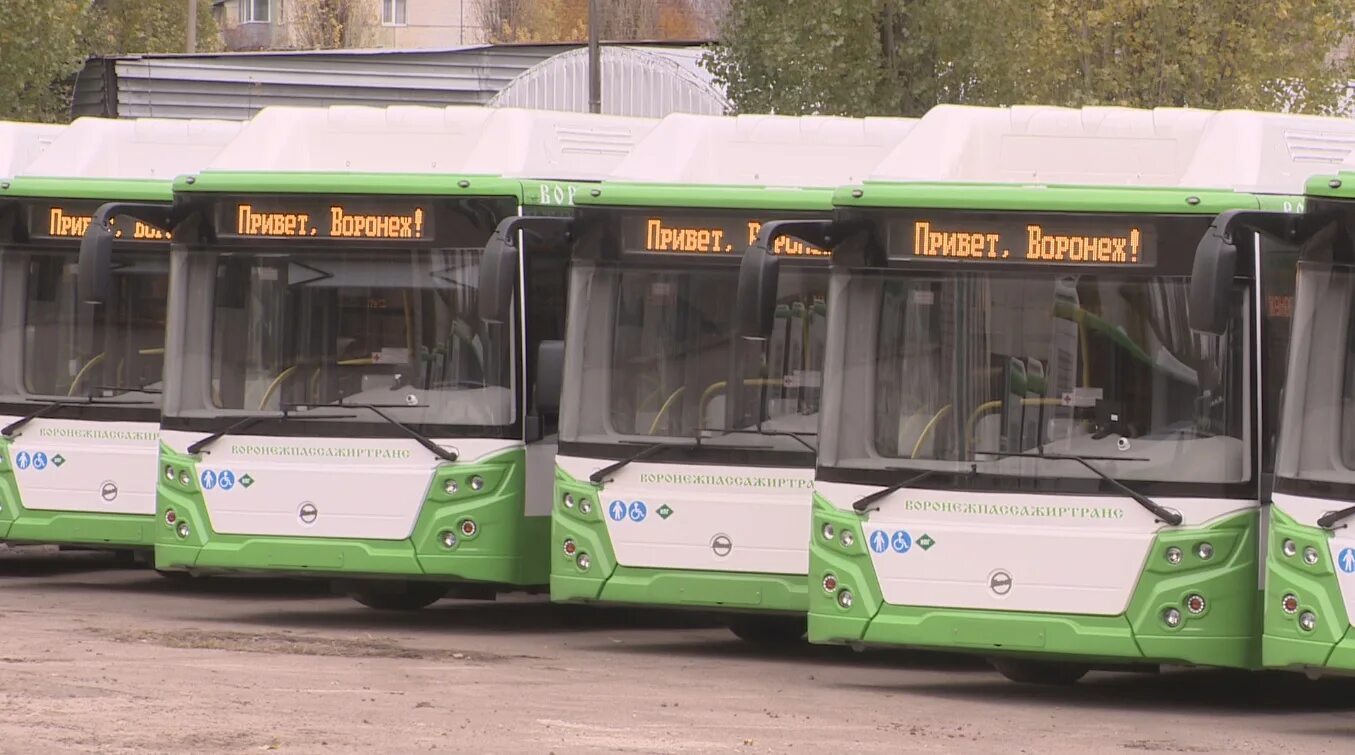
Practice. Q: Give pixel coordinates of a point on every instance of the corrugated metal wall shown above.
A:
(236, 85)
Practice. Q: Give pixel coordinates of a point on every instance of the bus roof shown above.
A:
(1261, 153)
(157, 149)
(731, 161)
(22, 143)
(428, 141)
(762, 150)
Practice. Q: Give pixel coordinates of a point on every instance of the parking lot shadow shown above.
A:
(1194, 690)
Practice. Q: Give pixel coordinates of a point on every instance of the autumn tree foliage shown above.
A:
(618, 20)
(901, 57)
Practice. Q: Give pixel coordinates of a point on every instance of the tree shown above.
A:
(333, 24)
(567, 20)
(148, 26)
(40, 49)
(900, 57)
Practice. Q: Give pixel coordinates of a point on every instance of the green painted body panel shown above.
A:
(110, 189)
(959, 196)
(606, 581)
(694, 196)
(1225, 634)
(530, 192)
(1334, 186)
(509, 548)
(1283, 643)
(23, 525)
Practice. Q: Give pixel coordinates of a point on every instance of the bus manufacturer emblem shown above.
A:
(108, 491)
(721, 545)
(307, 513)
(1000, 582)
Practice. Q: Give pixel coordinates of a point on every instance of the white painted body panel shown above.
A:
(1064, 553)
(1306, 511)
(763, 511)
(370, 488)
(92, 455)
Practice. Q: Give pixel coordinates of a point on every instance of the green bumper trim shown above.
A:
(1284, 644)
(1223, 635)
(606, 581)
(506, 548)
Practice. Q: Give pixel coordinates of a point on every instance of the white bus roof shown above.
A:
(134, 149)
(1241, 150)
(762, 150)
(22, 143)
(459, 140)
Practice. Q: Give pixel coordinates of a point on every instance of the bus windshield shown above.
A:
(983, 372)
(114, 352)
(304, 332)
(1317, 427)
(650, 351)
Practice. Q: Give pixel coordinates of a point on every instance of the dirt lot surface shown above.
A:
(105, 659)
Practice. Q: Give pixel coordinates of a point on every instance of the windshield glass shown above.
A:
(650, 356)
(1317, 428)
(114, 352)
(952, 371)
(305, 332)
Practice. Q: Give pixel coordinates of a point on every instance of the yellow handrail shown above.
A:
(80, 376)
(929, 428)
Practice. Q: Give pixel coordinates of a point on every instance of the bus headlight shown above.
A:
(568, 501)
(1171, 617)
(450, 487)
(182, 530)
(1204, 551)
(585, 506)
(828, 531)
(1310, 556)
(844, 598)
(1173, 555)
(1307, 621)
(847, 538)
(477, 482)
(1289, 548)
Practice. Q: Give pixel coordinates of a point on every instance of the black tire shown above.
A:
(399, 596)
(770, 631)
(1049, 673)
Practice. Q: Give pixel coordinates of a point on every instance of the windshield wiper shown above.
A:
(196, 446)
(50, 406)
(797, 437)
(601, 475)
(862, 503)
(420, 438)
(1328, 520)
(121, 389)
(1163, 514)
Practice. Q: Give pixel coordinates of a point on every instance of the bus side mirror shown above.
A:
(755, 301)
(95, 276)
(498, 278)
(550, 376)
(1210, 305)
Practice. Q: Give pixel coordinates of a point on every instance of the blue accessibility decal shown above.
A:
(617, 510)
(22, 460)
(1347, 560)
(39, 461)
(879, 541)
(208, 479)
(225, 479)
(901, 542)
(638, 511)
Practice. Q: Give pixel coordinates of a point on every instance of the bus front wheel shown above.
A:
(1053, 673)
(397, 596)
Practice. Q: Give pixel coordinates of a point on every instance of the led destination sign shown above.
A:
(689, 234)
(1091, 241)
(51, 221)
(333, 219)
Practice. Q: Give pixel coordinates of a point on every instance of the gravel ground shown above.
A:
(99, 658)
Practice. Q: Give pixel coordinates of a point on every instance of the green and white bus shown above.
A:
(1026, 451)
(673, 488)
(349, 391)
(79, 383)
(1309, 561)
